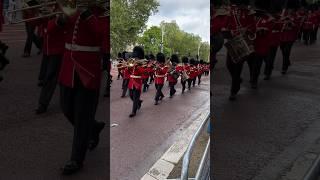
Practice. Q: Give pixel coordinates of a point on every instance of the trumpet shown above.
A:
(46, 9)
(133, 63)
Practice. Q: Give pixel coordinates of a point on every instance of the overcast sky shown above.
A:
(192, 16)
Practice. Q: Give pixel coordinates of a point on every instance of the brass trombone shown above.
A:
(46, 9)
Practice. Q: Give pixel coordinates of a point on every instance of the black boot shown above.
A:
(93, 143)
(71, 167)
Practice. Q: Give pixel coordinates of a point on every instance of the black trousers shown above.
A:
(190, 83)
(135, 97)
(79, 106)
(119, 74)
(125, 83)
(52, 66)
(259, 59)
(183, 83)
(307, 34)
(31, 38)
(286, 51)
(159, 92)
(194, 81)
(199, 79)
(313, 35)
(172, 89)
(151, 79)
(269, 61)
(145, 84)
(235, 70)
(43, 67)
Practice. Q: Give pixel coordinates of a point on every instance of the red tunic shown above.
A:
(84, 38)
(160, 74)
(135, 78)
(264, 29)
(53, 43)
(126, 73)
(170, 77)
(274, 36)
(192, 72)
(288, 29)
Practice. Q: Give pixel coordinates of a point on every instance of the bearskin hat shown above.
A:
(151, 56)
(201, 61)
(293, 4)
(161, 58)
(192, 61)
(262, 4)
(175, 58)
(138, 52)
(185, 59)
(119, 55)
(240, 2)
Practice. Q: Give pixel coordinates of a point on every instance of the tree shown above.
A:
(128, 19)
(176, 41)
(151, 40)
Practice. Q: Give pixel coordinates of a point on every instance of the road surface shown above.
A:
(253, 131)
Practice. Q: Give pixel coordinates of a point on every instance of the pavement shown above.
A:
(35, 147)
(262, 133)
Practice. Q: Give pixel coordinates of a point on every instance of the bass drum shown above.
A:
(218, 41)
(239, 48)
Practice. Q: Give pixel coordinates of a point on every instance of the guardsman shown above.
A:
(240, 22)
(173, 75)
(274, 41)
(160, 74)
(145, 76)
(30, 29)
(287, 38)
(126, 71)
(120, 61)
(201, 70)
(218, 27)
(262, 43)
(184, 69)
(192, 72)
(80, 80)
(196, 72)
(308, 27)
(135, 82)
(53, 49)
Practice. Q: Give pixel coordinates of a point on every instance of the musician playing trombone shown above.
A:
(80, 79)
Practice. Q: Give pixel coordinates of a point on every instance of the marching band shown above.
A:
(254, 35)
(140, 69)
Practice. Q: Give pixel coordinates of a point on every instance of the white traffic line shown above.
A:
(164, 166)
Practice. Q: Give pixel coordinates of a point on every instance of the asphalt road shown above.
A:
(252, 131)
(36, 147)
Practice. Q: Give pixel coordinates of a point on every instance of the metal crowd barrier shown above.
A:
(203, 172)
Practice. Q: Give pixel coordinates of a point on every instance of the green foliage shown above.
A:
(128, 19)
(176, 41)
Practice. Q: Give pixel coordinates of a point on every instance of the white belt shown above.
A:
(160, 76)
(75, 47)
(274, 31)
(133, 76)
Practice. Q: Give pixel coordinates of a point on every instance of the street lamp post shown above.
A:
(199, 50)
(162, 35)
